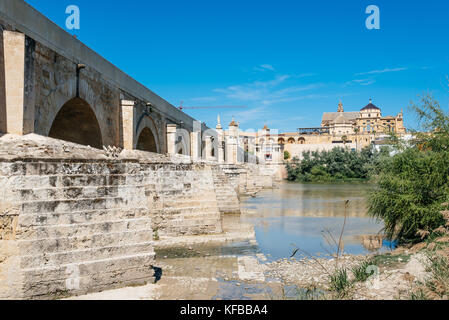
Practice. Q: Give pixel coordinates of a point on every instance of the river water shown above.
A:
(270, 227)
(308, 217)
(293, 214)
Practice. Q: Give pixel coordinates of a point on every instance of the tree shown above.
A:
(413, 184)
(287, 155)
(336, 164)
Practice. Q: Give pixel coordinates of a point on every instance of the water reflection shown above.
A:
(299, 213)
(312, 200)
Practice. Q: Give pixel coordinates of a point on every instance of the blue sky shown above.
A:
(287, 62)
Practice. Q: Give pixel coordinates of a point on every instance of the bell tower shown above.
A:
(340, 107)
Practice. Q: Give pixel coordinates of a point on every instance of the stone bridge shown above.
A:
(77, 219)
(53, 85)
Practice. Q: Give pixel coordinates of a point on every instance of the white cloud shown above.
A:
(254, 91)
(264, 97)
(265, 67)
(362, 82)
(303, 75)
(381, 71)
(203, 99)
(249, 115)
(266, 92)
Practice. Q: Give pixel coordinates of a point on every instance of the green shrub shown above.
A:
(287, 155)
(411, 188)
(413, 184)
(360, 272)
(339, 282)
(335, 165)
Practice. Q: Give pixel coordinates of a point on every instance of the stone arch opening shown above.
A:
(301, 140)
(147, 138)
(146, 141)
(76, 122)
(183, 142)
(281, 141)
(291, 140)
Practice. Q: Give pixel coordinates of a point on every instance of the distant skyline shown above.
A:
(286, 61)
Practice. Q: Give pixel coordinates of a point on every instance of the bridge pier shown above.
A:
(19, 118)
(171, 138)
(195, 145)
(128, 115)
(208, 148)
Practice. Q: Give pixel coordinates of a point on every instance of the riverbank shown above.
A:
(407, 273)
(236, 264)
(243, 263)
(195, 273)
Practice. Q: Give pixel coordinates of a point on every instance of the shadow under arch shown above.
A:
(76, 122)
(147, 135)
(146, 141)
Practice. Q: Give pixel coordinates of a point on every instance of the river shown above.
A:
(292, 214)
(297, 215)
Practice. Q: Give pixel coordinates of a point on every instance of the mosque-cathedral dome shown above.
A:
(370, 106)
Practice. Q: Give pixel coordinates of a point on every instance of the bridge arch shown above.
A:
(76, 122)
(182, 144)
(147, 138)
(146, 141)
(181, 148)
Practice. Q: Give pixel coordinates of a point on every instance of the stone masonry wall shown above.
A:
(227, 196)
(73, 226)
(250, 178)
(182, 198)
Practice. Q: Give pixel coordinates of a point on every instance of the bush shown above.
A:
(287, 155)
(336, 165)
(339, 282)
(413, 185)
(411, 188)
(360, 272)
